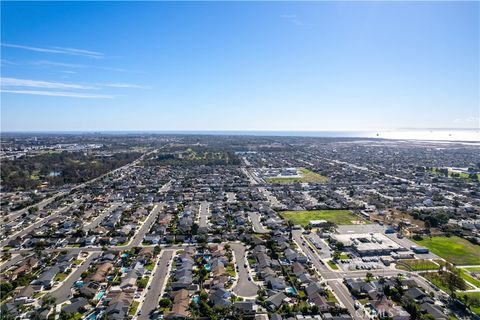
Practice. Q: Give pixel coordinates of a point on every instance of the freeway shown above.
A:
(257, 225)
(64, 292)
(157, 285)
(244, 286)
(37, 224)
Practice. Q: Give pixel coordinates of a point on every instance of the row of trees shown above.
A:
(28, 173)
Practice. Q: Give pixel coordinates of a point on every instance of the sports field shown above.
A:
(304, 217)
(307, 176)
(454, 249)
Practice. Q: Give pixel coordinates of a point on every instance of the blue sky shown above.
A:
(239, 66)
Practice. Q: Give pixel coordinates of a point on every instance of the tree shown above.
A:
(369, 277)
(48, 301)
(32, 209)
(165, 303)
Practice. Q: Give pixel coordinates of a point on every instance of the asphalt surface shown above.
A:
(257, 225)
(157, 285)
(37, 224)
(334, 279)
(204, 213)
(324, 249)
(272, 199)
(100, 217)
(15, 214)
(231, 197)
(250, 176)
(138, 237)
(14, 260)
(64, 292)
(244, 287)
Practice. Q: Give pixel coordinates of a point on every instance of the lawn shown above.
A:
(473, 269)
(454, 249)
(417, 265)
(330, 296)
(60, 277)
(332, 265)
(230, 270)
(467, 277)
(304, 217)
(474, 298)
(307, 176)
(133, 308)
(436, 279)
(77, 262)
(150, 266)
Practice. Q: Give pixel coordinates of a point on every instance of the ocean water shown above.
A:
(447, 135)
(466, 135)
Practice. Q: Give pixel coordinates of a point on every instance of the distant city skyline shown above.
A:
(221, 66)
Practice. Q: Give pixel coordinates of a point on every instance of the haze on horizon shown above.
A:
(311, 66)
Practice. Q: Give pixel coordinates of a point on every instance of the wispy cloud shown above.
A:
(468, 121)
(48, 88)
(57, 50)
(48, 63)
(126, 85)
(293, 18)
(60, 94)
(13, 82)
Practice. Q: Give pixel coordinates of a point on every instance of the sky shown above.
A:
(279, 66)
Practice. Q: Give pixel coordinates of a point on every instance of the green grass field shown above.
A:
(467, 277)
(307, 176)
(417, 265)
(304, 217)
(332, 265)
(475, 298)
(472, 269)
(458, 175)
(453, 249)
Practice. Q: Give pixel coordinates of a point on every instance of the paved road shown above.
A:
(231, 197)
(272, 199)
(333, 278)
(64, 292)
(15, 258)
(324, 249)
(15, 214)
(250, 176)
(342, 293)
(257, 225)
(244, 287)
(37, 224)
(166, 187)
(203, 213)
(157, 285)
(138, 237)
(100, 217)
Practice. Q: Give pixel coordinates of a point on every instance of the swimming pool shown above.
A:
(100, 295)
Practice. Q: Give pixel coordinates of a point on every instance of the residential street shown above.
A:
(157, 285)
